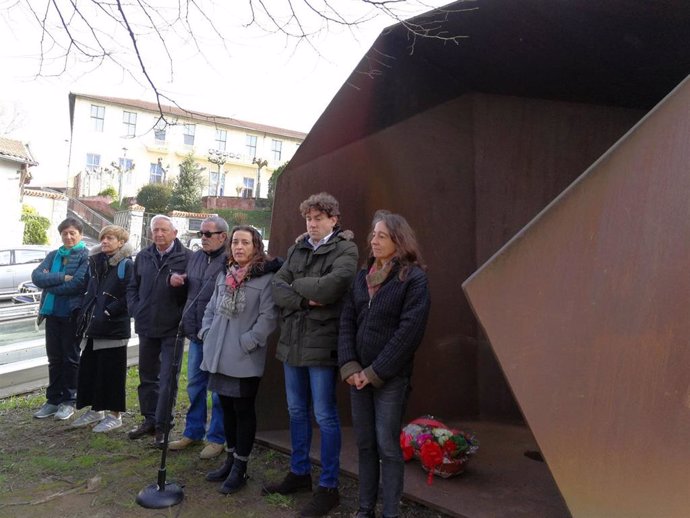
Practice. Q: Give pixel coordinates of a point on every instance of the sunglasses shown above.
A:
(208, 234)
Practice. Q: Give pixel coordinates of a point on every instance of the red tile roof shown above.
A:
(44, 194)
(204, 117)
(16, 151)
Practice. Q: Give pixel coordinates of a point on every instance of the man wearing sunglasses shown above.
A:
(202, 269)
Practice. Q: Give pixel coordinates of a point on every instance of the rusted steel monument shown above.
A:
(470, 140)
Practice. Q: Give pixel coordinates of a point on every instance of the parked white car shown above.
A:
(16, 265)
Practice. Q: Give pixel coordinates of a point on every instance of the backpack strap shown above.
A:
(122, 269)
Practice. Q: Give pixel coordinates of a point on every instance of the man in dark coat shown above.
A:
(309, 289)
(202, 270)
(157, 307)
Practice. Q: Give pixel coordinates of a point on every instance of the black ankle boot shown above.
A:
(237, 478)
(220, 474)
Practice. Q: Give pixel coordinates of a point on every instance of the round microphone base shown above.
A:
(153, 497)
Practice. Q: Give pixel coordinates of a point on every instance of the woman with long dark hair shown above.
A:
(237, 323)
(381, 326)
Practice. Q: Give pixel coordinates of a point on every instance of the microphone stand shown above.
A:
(167, 494)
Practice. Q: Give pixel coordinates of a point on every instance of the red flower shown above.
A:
(406, 445)
(449, 448)
(431, 456)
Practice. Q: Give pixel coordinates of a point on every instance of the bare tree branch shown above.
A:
(119, 31)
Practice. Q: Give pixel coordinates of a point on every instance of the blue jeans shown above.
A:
(377, 415)
(307, 386)
(197, 381)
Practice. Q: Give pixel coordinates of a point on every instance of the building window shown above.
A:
(251, 146)
(221, 139)
(129, 119)
(194, 224)
(126, 164)
(188, 132)
(97, 117)
(93, 161)
(248, 187)
(159, 131)
(276, 149)
(156, 173)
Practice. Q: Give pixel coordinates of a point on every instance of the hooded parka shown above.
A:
(309, 334)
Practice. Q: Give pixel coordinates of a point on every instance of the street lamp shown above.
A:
(259, 164)
(122, 168)
(219, 158)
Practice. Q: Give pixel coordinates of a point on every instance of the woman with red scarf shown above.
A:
(237, 323)
(381, 326)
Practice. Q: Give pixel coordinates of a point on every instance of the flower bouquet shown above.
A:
(442, 451)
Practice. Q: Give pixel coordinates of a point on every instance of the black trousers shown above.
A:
(239, 421)
(63, 351)
(156, 377)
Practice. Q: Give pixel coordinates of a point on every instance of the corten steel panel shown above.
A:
(439, 169)
(404, 169)
(527, 151)
(587, 311)
(627, 53)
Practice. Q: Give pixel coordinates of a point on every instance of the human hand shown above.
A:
(68, 278)
(177, 279)
(314, 303)
(361, 380)
(352, 379)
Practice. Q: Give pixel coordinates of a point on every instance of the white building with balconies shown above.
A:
(127, 143)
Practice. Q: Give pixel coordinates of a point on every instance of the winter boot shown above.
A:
(220, 474)
(237, 478)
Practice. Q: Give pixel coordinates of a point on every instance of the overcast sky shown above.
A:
(257, 76)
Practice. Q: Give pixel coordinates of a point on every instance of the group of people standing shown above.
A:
(227, 299)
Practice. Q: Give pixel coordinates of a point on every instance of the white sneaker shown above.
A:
(110, 422)
(65, 411)
(88, 418)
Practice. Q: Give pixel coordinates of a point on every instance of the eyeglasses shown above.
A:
(208, 234)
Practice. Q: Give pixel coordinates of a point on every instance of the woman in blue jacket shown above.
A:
(62, 277)
(381, 326)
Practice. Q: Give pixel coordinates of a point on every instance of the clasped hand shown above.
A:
(358, 380)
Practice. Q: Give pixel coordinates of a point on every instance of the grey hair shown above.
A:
(166, 218)
(219, 222)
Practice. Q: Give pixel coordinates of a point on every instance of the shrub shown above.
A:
(35, 227)
(109, 192)
(155, 197)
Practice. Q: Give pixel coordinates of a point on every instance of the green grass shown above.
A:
(29, 401)
(50, 469)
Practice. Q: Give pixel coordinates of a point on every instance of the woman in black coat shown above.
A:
(105, 325)
(381, 325)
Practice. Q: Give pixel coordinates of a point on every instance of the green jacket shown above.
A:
(309, 334)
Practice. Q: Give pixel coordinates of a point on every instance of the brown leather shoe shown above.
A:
(212, 450)
(145, 428)
(181, 443)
